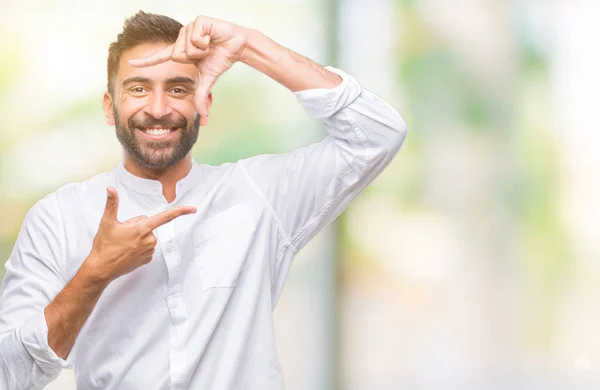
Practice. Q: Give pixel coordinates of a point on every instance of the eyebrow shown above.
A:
(181, 80)
(172, 80)
(141, 80)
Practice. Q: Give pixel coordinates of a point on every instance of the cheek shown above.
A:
(185, 108)
(130, 107)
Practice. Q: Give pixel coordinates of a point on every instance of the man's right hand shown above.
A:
(121, 247)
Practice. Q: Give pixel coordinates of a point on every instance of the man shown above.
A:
(179, 295)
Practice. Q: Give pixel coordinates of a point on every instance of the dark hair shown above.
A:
(139, 29)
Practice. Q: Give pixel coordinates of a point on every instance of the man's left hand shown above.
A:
(212, 45)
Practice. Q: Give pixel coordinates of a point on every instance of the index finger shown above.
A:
(159, 57)
(167, 216)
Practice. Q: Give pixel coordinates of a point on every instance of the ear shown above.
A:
(209, 100)
(107, 106)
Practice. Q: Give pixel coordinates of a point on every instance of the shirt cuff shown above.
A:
(34, 336)
(323, 102)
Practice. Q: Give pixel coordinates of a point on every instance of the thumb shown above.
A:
(112, 204)
(202, 43)
(201, 98)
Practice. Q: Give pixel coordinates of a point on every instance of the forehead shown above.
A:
(156, 73)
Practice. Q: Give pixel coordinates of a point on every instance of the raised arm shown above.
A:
(308, 188)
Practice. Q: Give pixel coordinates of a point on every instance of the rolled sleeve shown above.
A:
(34, 337)
(322, 102)
(33, 278)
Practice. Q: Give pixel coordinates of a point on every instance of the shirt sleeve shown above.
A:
(33, 278)
(309, 187)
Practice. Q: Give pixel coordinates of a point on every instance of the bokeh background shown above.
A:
(473, 261)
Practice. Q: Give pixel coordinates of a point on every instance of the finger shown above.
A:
(159, 57)
(200, 34)
(203, 25)
(188, 34)
(167, 216)
(202, 42)
(200, 101)
(147, 258)
(112, 204)
(178, 53)
(192, 49)
(136, 219)
(201, 95)
(151, 241)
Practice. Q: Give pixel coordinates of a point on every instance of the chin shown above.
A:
(158, 161)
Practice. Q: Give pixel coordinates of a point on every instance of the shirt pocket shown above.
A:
(221, 245)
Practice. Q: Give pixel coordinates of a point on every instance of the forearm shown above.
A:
(69, 310)
(290, 69)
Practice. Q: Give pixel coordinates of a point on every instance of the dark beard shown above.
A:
(155, 154)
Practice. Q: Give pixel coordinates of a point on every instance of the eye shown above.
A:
(137, 90)
(179, 91)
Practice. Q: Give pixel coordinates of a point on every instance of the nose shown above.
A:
(158, 105)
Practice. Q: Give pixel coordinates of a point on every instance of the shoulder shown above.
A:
(73, 195)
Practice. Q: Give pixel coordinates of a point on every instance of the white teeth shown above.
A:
(157, 132)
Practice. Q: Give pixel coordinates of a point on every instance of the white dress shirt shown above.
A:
(199, 315)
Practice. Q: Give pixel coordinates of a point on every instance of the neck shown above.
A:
(167, 177)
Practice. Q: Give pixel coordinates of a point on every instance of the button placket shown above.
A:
(175, 304)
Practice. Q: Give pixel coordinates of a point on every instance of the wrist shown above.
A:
(92, 274)
(293, 71)
(250, 52)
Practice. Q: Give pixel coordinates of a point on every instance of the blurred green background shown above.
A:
(471, 263)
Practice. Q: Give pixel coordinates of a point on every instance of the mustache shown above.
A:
(179, 122)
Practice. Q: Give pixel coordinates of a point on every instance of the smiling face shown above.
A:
(153, 109)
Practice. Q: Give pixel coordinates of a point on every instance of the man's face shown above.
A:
(153, 109)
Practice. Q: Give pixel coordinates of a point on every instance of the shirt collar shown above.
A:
(149, 186)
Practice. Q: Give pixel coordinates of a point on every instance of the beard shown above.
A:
(157, 154)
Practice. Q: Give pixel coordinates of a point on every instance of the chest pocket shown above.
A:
(221, 245)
